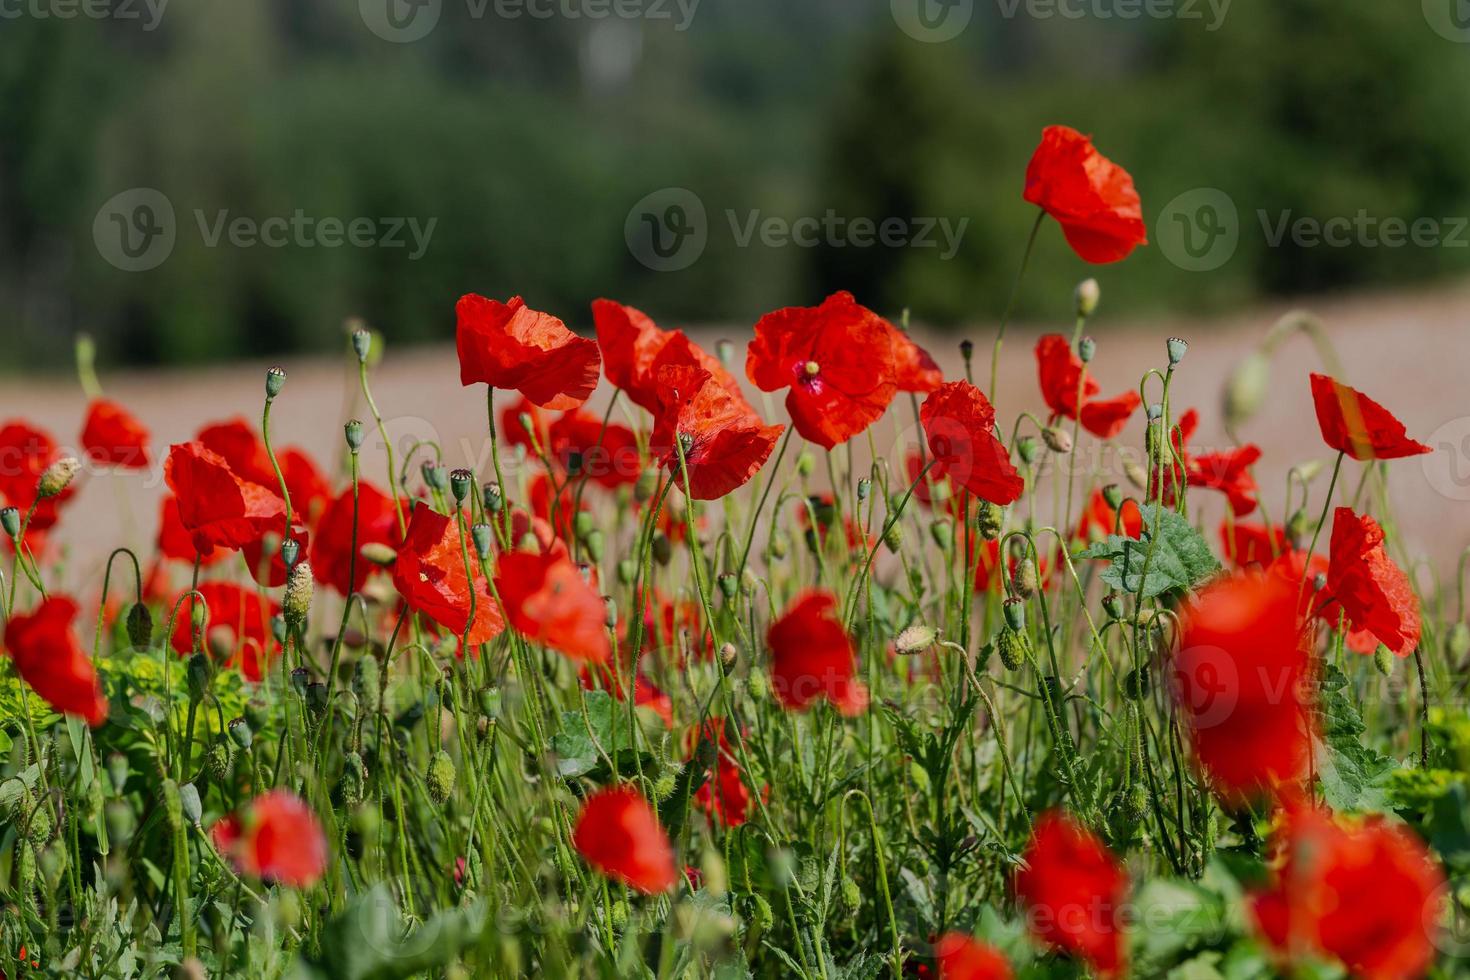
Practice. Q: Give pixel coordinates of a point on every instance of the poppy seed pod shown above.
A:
(10, 522)
(440, 778)
(647, 483)
(1086, 350)
(192, 809)
(1112, 604)
(362, 344)
(1015, 613)
(275, 380)
(58, 477)
(967, 349)
(290, 552)
(729, 585)
(663, 549)
(915, 639)
(482, 535)
(1086, 296)
(241, 733)
(1177, 348)
(460, 482)
(140, 626)
(300, 677)
(299, 590)
(492, 497)
(1058, 440)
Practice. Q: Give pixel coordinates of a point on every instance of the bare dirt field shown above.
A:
(1410, 352)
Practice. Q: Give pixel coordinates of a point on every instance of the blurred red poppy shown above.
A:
(1242, 680)
(607, 454)
(1099, 520)
(1090, 196)
(513, 347)
(430, 575)
(837, 361)
(549, 602)
(1355, 424)
(238, 630)
(525, 529)
(959, 424)
(242, 448)
(1074, 890)
(513, 418)
(961, 957)
(859, 542)
(177, 542)
(1366, 893)
(308, 487)
(1066, 384)
(25, 453)
(48, 658)
(929, 490)
(914, 369)
(725, 796)
(724, 442)
(332, 549)
(1363, 579)
(553, 502)
(618, 833)
(1252, 544)
(634, 348)
(812, 657)
(277, 838)
(215, 505)
(111, 436)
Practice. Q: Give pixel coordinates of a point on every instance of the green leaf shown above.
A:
(371, 941)
(576, 753)
(1353, 776)
(1180, 560)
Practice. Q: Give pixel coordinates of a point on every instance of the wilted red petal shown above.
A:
(48, 657)
(549, 602)
(1074, 889)
(1355, 424)
(1092, 198)
(618, 833)
(111, 436)
(511, 346)
(959, 424)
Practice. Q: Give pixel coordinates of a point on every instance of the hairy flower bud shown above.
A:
(988, 520)
(1383, 660)
(299, 589)
(915, 639)
(1057, 439)
(1086, 296)
(140, 626)
(1011, 645)
(440, 778)
(200, 674)
(1024, 582)
(57, 477)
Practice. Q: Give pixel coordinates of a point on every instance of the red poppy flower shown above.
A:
(959, 424)
(304, 481)
(549, 602)
(1242, 680)
(1228, 471)
(263, 554)
(725, 443)
(48, 658)
(961, 957)
(430, 575)
(1355, 424)
(725, 797)
(1074, 889)
(332, 549)
(276, 837)
(608, 454)
(525, 529)
(812, 657)
(1365, 893)
(111, 436)
(837, 361)
(1090, 196)
(242, 448)
(1375, 592)
(25, 454)
(1065, 384)
(618, 833)
(634, 348)
(1099, 520)
(239, 622)
(511, 346)
(646, 694)
(1252, 544)
(177, 542)
(218, 507)
(913, 367)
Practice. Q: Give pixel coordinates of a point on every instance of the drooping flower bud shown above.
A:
(1136, 684)
(1459, 641)
(1135, 473)
(366, 677)
(58, 477)
(436, 477)
(1113, 496)
(140, 626)
(1383, 660)
(942, 532)
(1057, 439)
(646, 486)
(200, 674)
(663, 549)
(300, 677)
(627, 571)
(1026, 449)
(1011, 645)
(1246, 389)
(1025, 582)
(915, 639)
(988, 520)
(1086, 295)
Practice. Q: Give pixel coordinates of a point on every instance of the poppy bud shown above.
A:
(275, 380)
(192, 809)
(200, 674)
(942, 533)
(915, 640)
(362, 344)
(493, 498)
(663, 549)
(759, 912)
(729, 585)
(1086, 349)
(780, 545)
(299, 588)
(1136, 684)
(1135, 473)
(435, 476)
(1459, 641)
(378, 553)
(300, 677)
(220, 762)
(1086, 297)
(58, 477)
(316, 698)
(140, 626)
(352, 787)
(627, 571)
(988, 520)
(1026, 449)
(1177, 348)
(481, 535)
(1383, 660)
(365, 677)
(893, 539)
(1112, 604)
(241, 734)
(1011, 645)
(610, 611)
(1113, 496)
(1246, 389)
(728, 655)
(1057, 439)
(460, 482)
(290, 551)
(967, 350)
(1025, 582)
(805, 464)
(582, 524)
(725, 351)
(1015, 613)
(10, 522)
(353, 431)
(647, 483)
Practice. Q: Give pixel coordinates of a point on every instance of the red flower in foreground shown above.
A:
(1065, 384)
(238, 631)
(608, 453)
(276, 837)
(511, 346)
(549, 602)
(1375, 593)
(1241, 680)
(725, 443)
(215, 505)
(619, 834)
(1365, 893)
(1090, 196)
(1074, 889)
(332, 549)
(960, 957)
(111, 436)
(959, 424)
(812, 657)
(1355, 424)
(634, 348)
(837, 361)
(48, 658)
(430, 575)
